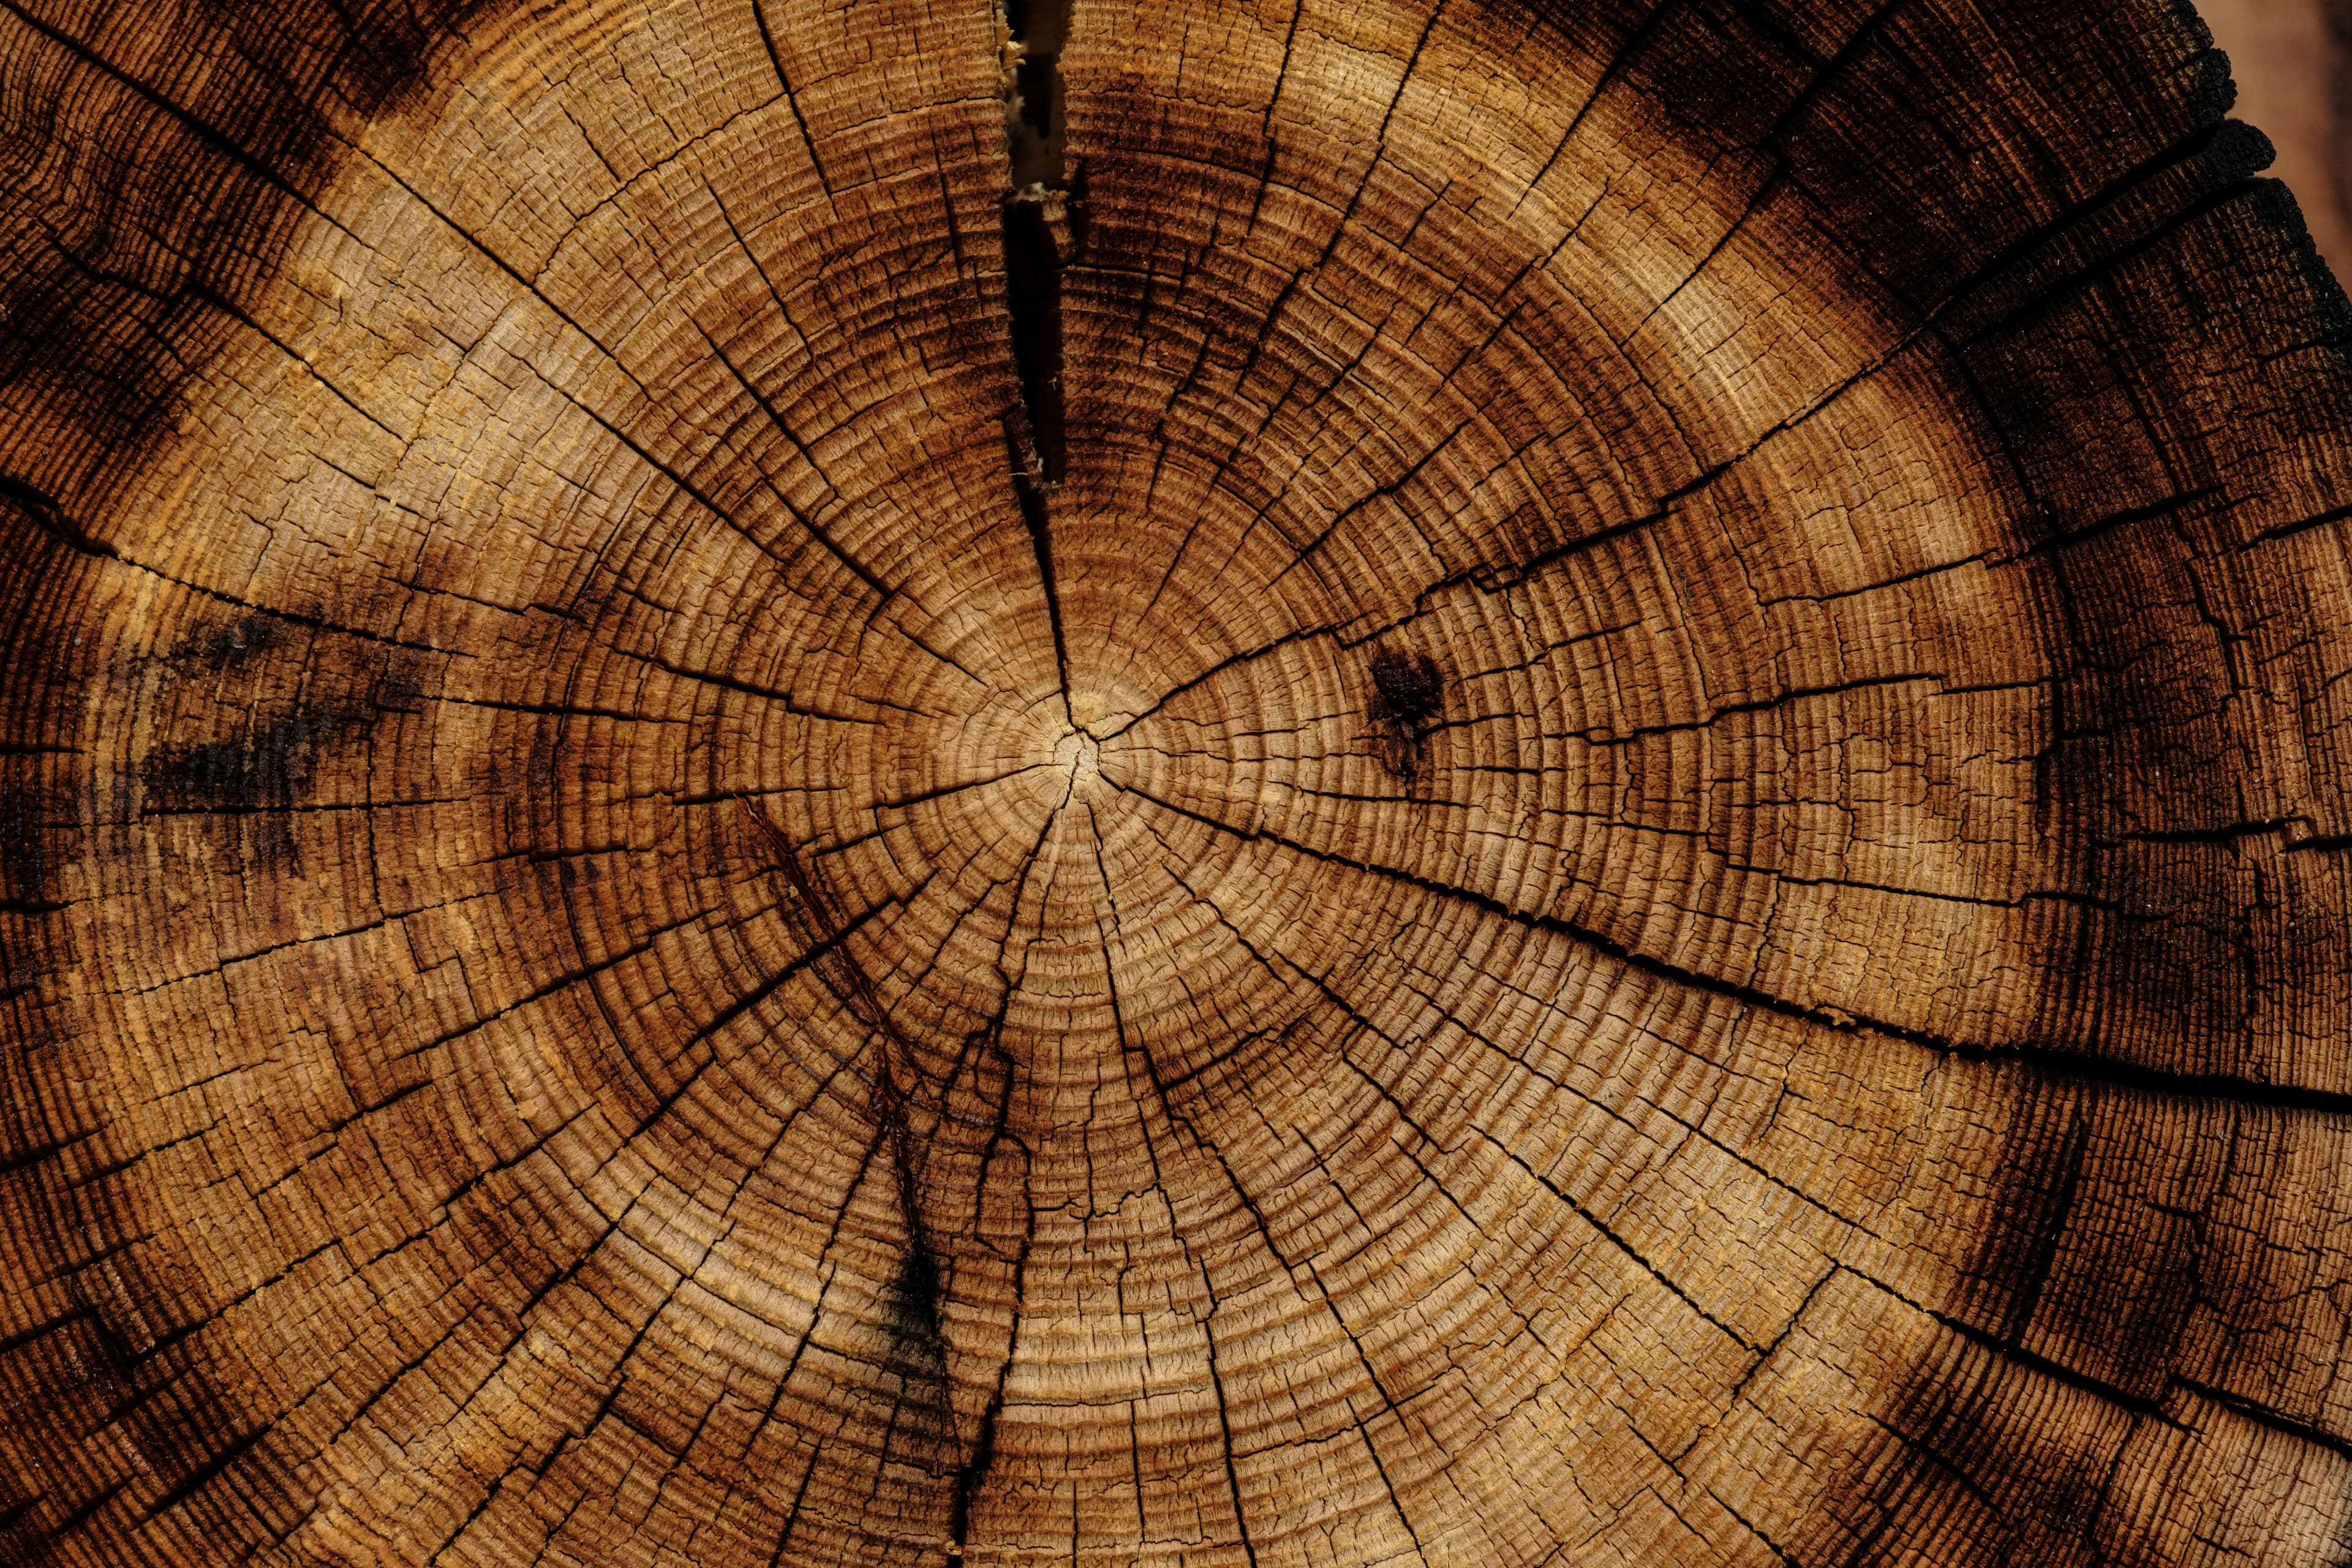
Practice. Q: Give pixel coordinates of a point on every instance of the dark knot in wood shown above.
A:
(1407, 692)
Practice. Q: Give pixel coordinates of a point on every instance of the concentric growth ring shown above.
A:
(1236, 784)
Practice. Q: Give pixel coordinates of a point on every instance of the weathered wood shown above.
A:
(1387, 781)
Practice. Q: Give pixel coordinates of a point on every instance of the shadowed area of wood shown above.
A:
(1247, 784)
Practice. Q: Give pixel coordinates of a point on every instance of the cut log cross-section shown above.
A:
(1252, 783)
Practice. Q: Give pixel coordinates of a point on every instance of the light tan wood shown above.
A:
(1224, 783)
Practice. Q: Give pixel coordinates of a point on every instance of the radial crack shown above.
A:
(1039, 238)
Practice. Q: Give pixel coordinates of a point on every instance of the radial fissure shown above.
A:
(1035, 216)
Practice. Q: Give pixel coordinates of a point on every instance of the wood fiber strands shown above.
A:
(1226, 784)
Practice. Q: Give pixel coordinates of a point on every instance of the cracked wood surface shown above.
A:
(1396, 782)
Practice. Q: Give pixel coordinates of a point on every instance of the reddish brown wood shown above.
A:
(1232, 784)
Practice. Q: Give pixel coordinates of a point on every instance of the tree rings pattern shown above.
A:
(1257, 783)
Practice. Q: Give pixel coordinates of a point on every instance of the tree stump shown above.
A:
(1252, 783)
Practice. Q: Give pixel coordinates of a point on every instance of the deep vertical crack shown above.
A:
(1039, 241)
(1029, 488)
(1033, 291)
(1030, 76)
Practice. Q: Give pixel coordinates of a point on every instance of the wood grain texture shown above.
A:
(1404, 781)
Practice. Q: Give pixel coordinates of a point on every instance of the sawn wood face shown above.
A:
(1444, 783)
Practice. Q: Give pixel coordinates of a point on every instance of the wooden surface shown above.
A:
(722, 847)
